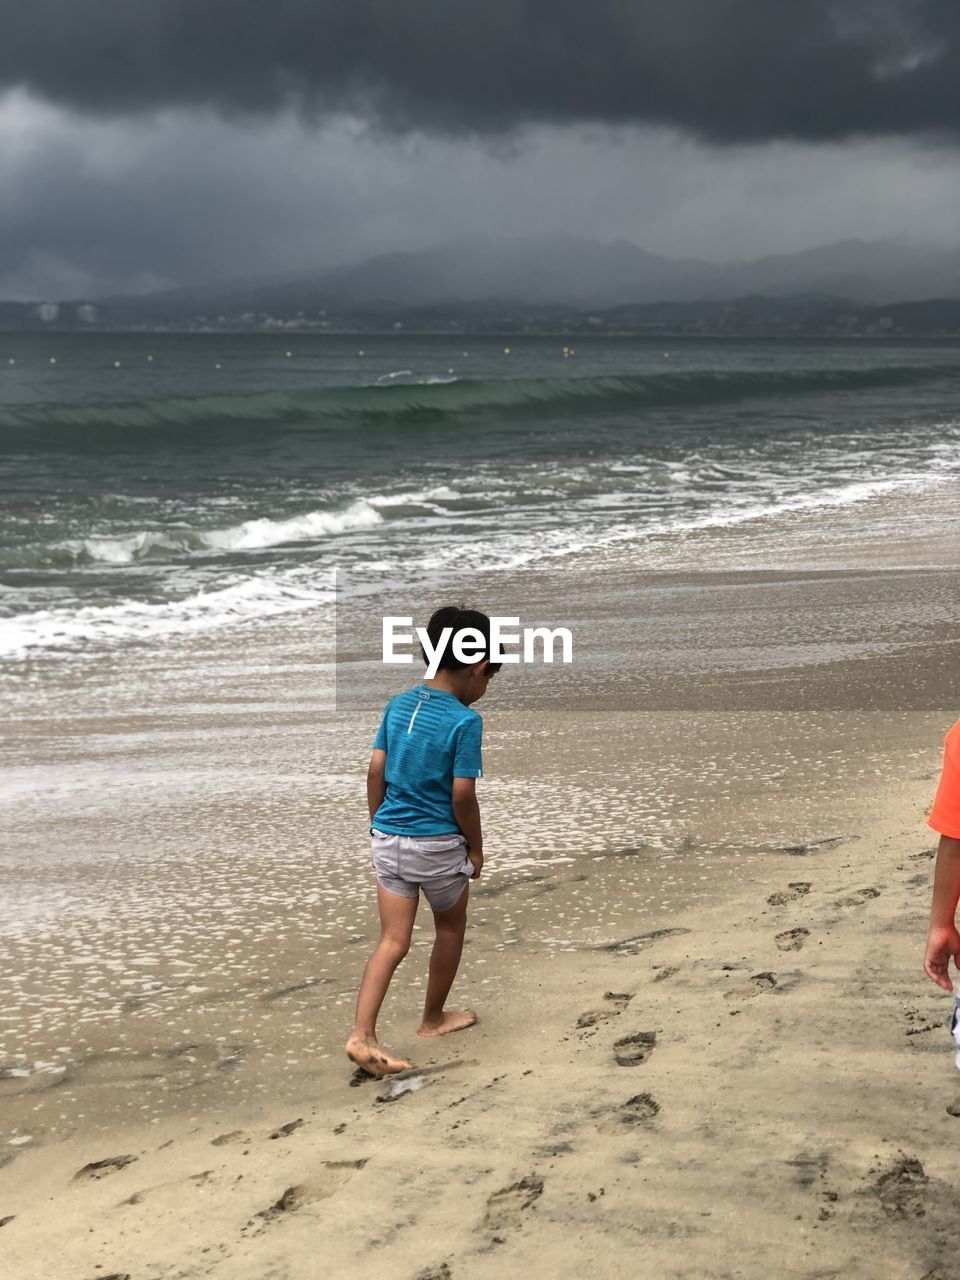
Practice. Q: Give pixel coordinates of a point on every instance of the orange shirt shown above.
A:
(945, 814)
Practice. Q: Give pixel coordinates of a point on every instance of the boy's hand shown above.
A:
(477, 860)
(376, 781)
(942, 943)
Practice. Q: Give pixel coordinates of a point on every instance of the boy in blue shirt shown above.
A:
(425, 829)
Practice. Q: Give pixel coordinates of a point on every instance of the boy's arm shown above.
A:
(376, 780)
(466, 810)
(944, 940)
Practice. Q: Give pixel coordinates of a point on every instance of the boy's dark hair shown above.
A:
(459, 619)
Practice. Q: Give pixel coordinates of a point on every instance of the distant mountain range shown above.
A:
(549, 271)
(572, 271)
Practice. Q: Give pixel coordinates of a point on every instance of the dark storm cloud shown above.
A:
(727, 70)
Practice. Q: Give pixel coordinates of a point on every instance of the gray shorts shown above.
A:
(436, 864)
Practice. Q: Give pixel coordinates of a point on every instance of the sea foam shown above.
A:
(250, 535)
(258, 596)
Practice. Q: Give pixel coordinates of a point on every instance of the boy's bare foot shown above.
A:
(451, 1020)
(371, 1056)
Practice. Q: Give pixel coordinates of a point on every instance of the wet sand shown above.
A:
(706, 1047)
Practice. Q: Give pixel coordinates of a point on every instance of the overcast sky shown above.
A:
(147, 143)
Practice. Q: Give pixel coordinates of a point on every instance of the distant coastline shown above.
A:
(748, 317)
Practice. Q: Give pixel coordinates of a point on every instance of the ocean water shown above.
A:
(161, 485)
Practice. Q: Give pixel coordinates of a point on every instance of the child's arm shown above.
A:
(466, 810)
(376, 781)
(944, 940)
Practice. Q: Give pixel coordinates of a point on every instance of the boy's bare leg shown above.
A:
(444, 962)
(397, 915)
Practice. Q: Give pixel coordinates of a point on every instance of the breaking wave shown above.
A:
(177, 541)
(437, 400)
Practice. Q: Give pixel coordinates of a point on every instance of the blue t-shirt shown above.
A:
(430, 738)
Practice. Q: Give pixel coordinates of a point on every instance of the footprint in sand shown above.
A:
(756, 985)
(630, 1051)
(174, 1188)
(286, 1129)
(794, 890)
(638, 1110)
(226, 1139)
(594, 1017)
(617, 1001)
(923, 1210)
(506, 1206)
(333, 1175)
(666, 972)
(902, 1189)
(792, 939)
(858, 898)
(442, 1272)
(97, 1169)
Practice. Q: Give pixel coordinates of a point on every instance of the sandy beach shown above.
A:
(706, 1047)
(753, 1086)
